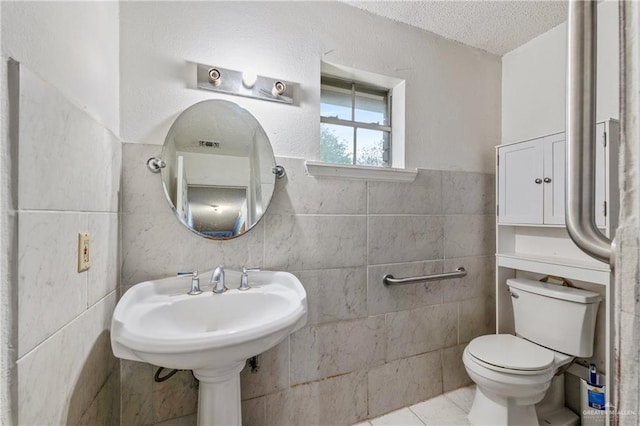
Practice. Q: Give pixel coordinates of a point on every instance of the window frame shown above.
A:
(357, 87)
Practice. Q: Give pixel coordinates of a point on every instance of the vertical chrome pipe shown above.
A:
(581, 128)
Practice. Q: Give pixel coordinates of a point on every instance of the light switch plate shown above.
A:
(84, 260)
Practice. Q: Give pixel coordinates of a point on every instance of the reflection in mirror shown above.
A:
(219, 174)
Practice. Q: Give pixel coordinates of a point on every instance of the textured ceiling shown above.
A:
(495, 26)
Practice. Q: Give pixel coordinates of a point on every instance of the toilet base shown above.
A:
(493, 410)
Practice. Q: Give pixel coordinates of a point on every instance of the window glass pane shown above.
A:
(335, 102)
(336, 144)
(371, 107)
(371, 147)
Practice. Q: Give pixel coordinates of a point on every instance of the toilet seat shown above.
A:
(510, 354)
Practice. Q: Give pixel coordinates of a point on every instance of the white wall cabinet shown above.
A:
(531, 181)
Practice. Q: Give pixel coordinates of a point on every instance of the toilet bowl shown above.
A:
(553, 324)
(512, 375)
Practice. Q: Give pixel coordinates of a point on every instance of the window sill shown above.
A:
(328, 170)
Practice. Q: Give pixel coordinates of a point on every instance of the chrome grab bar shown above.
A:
(581, 129)
(390, 280)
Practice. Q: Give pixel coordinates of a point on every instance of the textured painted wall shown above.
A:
(453, 91)
(534, 80)
(367, 349)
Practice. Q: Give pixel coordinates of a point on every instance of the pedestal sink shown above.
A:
(212, 334)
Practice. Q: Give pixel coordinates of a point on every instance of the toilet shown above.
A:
(554, 325)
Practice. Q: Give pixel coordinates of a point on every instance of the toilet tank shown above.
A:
(557, 317)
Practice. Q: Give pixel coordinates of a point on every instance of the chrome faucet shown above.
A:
(217, 279)
(195, 282)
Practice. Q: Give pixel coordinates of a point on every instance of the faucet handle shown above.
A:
(195, 281)
(244, 279)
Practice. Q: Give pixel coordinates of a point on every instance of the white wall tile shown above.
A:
(336, 401)
(60, 393)
(468, 193)
(312, 242)
(421, 330)
(104, 275)
(423, 196)
(335, 294)
(51, 292)
(299, 193)
(389, 298)
(469, 235)
(67, 161)
(272, 374)
(394, 239)
(404, 382)
(336, 348)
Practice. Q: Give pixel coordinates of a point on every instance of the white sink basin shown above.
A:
(212, 334)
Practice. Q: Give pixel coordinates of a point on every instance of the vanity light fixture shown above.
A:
(249, 78)
(248, 84)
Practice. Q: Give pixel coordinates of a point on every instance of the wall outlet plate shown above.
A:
(84, 260)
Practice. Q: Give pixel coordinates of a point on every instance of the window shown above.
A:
(355, 123)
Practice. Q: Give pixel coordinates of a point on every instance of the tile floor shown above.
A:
(448, 409)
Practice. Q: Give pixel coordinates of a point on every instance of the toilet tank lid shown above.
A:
(554, 290)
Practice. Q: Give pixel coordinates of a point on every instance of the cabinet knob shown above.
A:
(538, 180)
(547, 180)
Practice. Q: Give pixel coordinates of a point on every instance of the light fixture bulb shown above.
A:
(249, 78)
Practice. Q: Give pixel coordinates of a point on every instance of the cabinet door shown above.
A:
(520, 185)
(600, 176)
(554, 179)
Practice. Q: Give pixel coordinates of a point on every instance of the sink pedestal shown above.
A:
(219, 396)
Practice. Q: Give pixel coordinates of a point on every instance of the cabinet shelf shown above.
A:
(591, 271)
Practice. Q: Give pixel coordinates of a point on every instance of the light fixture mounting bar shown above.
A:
(224, 80)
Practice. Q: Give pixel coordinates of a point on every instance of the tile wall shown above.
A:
(367, 349)
(68, 182)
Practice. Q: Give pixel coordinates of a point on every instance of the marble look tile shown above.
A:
(273, 373)
(628, 257)
(467, 235)
(64, 154)
(403, 417)
(142, 191)
(382, 299)
(423, 196)
(149, 246)
(105, 408)
(83, 365)
(48, 265)
(468, 193)
(337, 348)
(104, 275)
(299, 193)
(421, 330)
(190, 420)
(336, 401)
(136, 395)
(254, 412)
(476, 318)
(454, 374)
(463, 397)
(479, 282)
(630, 356)
(176, 397)
(440, 411)
(315, 242)
(404, 382)
(335, 294)
(394, 239)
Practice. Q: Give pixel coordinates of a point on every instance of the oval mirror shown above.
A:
(219, 173)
